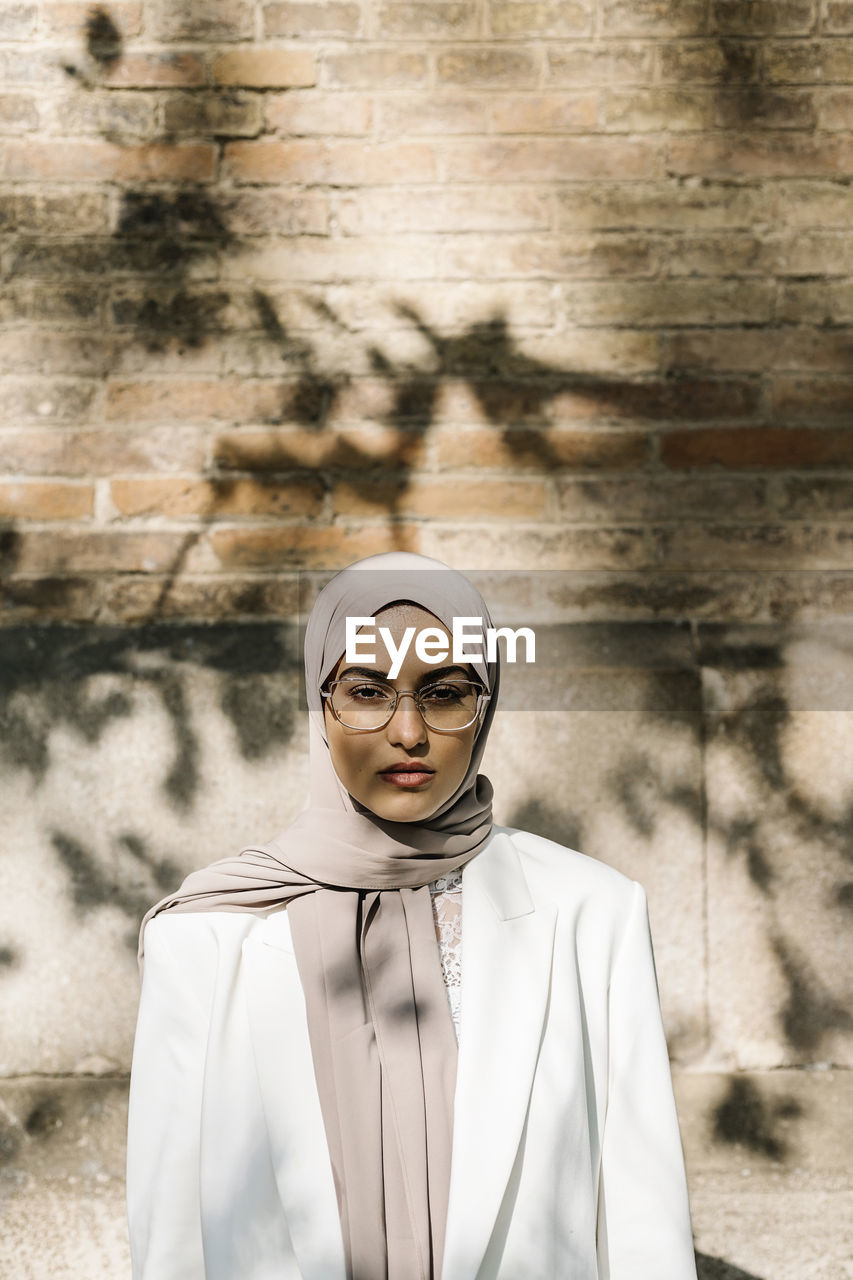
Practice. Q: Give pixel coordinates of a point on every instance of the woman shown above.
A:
(299, 1104)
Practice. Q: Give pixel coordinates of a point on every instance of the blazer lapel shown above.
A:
(285, 1068)
(507, 946)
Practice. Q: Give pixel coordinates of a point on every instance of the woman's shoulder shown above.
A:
(559, 870)
(191, 936)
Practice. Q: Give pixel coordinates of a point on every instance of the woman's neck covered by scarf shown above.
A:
(365, 955)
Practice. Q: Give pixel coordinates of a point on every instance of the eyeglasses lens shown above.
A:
(448, 705)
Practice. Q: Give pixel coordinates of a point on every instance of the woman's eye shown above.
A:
(368, 693)
(443, 693)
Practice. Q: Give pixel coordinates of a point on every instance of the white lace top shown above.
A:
(446, 898)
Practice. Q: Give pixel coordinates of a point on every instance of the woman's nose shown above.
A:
(406, 726)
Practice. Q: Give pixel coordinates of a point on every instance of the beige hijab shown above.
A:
(355, 888)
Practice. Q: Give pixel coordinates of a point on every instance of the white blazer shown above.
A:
(566, 1156)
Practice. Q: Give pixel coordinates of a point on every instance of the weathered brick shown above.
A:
(548, 546)
(260, 68)
(28, 64)
(730, 62)
(157, 70)
(217, 496)
(834, 108)
(134, 598)
(266, 213)
(476, 448)
(764, 156)
(524, 18)
(344, 162)
(295, 112)
(762, 448)
(311, 19)
(837, 17)
(818, 302)
(759, 547)
(374, 68)
(45, 500)
(79, 303)
(440, 497)
(540, 159)
(159, 310)
(669, 302)
(57, 213)
(232, 113)
(310, 548)
(46, 599)
(18, 19)
(489, 68)
(124, 114)
(795, 347)
(68, 17)
(154, 253)
(442, 19)
(808, 61)
(45, 352)
(197, 400)
(654, 17)
(334, 261)
(288, 448)
(66, 161)
(46, 400)
(213, 20)
(545, 112)
(812, 253)
(401, 114)
(444, 209)
(754, 106)
(638, 497)
(827, 497)
(101, 452)
(763, 17)
(813, 400)
(550, 256)
(662, 205)
(626, 353)
(731, 253)
(97, 551)
(18, 113)
(655, 109)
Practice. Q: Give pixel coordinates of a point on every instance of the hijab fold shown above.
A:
(356, 891)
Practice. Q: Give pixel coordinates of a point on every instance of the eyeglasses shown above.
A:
(446, 705)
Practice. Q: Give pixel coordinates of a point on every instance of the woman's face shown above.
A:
(361, 760)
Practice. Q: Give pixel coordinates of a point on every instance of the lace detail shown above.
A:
(446, 899)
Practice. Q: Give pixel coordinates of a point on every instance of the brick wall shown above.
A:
(564, 285)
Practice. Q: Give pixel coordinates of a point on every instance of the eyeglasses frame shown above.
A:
(483, 700)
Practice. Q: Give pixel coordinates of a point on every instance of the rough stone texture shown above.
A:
(547, 239)
(561, 288)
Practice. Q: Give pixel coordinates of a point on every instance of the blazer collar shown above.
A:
(507, 943)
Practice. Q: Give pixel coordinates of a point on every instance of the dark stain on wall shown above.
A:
(709, 1268)
(745, 1117)
(103, 38)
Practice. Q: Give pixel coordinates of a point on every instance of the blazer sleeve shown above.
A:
(644, 1230)
(164, 1117)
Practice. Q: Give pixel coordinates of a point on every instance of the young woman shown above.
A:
(326, 1084)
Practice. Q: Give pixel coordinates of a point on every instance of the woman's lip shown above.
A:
(408, 766)
(408, 777)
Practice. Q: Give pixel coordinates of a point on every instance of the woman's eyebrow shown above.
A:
(444, 671)
(370, 673)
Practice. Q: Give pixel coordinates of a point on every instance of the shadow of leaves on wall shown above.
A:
(745, 1117)
(708, 1268)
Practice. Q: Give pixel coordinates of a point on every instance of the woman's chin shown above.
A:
(405, 806)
